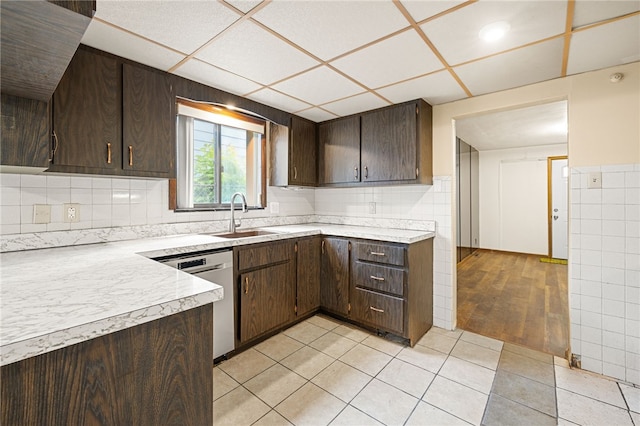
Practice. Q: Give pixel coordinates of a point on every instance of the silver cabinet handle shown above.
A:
(375, 253)
(366, 172)
(355, 173)
(376, 278)
(376, 309)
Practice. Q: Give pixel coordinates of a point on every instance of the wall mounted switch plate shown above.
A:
(594, 180)
(372, 208)
(41, 213)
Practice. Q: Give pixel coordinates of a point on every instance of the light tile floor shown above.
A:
(322, 372)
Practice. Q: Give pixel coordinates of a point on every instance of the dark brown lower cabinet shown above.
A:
(158, 373)
(334, 276)
(308, 275)
(266, 288)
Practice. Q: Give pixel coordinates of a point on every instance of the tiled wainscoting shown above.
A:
(322, 372)
(604, 270)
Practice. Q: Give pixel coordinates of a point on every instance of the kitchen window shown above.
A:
(220, 152)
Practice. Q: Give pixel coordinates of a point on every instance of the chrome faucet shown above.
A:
(232, 223)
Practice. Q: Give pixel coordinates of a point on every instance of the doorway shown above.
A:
(504, 289)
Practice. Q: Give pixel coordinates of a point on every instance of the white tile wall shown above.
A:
(604, 271)
(107, 202)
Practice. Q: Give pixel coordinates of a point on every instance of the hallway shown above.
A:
(515, 298)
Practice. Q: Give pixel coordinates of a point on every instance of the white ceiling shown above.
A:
(324, 59)
(535, 125)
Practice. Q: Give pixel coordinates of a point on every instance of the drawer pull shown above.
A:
(376, 278)
(109, 153)
(375, 253)
(376, 309)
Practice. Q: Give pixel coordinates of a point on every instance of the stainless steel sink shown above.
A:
(243, 234)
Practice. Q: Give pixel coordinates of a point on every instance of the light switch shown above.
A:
(594, 180)
(41, 213)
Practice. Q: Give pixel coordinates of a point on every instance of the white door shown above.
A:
(559, 207)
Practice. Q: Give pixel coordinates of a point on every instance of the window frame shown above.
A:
(261, 186)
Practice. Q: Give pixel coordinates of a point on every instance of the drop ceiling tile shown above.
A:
(421, 10)
(604, 46)
(364, 102)
(166, 21)
(244, 5)
(278, 100)
(204, 73)
(437, 88)
(456, 35)
(107, 38)
(520, 67)
(327, 29)
(398, 58)
(256, 54)
(319, 86)
(588, 11)
(316, 114)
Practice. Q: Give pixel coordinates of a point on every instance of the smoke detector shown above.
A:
(616, 77)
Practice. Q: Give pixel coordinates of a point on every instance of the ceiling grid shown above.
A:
(324, 59)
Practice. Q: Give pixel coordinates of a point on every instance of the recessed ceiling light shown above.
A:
(494, 31)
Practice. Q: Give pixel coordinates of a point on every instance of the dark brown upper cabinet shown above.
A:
(391, 145)
(39, 39)
(339, 151)
(25, 132)
(148, 140)
(87, 115)
(294, 154)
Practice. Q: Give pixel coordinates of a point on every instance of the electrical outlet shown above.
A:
(595, 180)
(41, 213)
(372, 208)
(71, 213)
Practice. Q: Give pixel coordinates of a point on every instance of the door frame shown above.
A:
(550, 201)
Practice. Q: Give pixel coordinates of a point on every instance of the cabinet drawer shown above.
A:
(380, 278)
(378, 310)
(380, 253)
(253, 257)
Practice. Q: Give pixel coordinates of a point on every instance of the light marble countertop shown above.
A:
(52, 298)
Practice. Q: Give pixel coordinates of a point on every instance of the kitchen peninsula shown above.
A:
(102, 331)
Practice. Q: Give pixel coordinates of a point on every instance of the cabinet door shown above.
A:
(148, 137)
(303, 152)
(339, 151)
(308, 277)
(87, 118)
(389, 144)
(267, 299)
(25, 132)
(334, 275)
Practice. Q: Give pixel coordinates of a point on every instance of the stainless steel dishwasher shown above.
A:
(216, 267)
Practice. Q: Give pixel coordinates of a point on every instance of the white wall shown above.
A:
(508, 223)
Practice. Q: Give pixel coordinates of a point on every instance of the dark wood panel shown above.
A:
(267, 299)
(278, 155)
(339, 150)
(378, 310)
(379, 278)
(308, 275)
(419, 289)
(83, 7)
(334, 275)
(303, 152)
(154, 373)
(381, 253)
(38, 40)
(25, 132)
(425, 143)
(87, 112)
(389, 144)
(148, 142)
(258, 255)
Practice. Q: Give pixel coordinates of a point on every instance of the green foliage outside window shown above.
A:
(233, 176)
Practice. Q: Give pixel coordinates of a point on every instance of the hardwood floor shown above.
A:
(515, 298)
